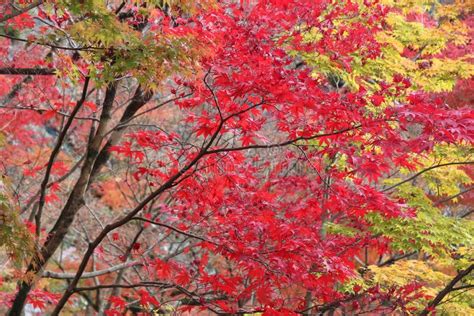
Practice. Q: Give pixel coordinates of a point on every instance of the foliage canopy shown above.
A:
(239, 157)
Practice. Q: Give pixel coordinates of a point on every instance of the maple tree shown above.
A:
(237, 157)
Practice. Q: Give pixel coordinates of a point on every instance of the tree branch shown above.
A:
(21, 11)
(122, 286)
(321, 309)
(448, 289)
(59, 180)
(55, 152)
(170, 183)
(454, 196)
(93, 274)
(174, 229)
(426, 170)
(24, 40)
(27, 71)
(396, 258)
(466, 214)
(463, 287)
(282, 144)
(74, 202)
(139, 99)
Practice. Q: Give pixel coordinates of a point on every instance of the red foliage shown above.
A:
(251, 178)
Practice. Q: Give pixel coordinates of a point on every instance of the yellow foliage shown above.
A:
(425, 68)
(407, 271)
(433, 280)
(446, 180)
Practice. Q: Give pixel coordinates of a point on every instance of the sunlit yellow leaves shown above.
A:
(415, 35)
(430, 276)
(410, 47)
(446, 181)
(406, 271)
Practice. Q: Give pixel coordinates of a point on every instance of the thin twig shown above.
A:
(20, 11)
(426, 170)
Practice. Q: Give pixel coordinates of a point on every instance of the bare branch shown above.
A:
(174, 229)
(55, 152)
(122, 286)
(463, 287)
(449, 198)
(426, 170)
(93, 274)
(396, 258)
(27, 71)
